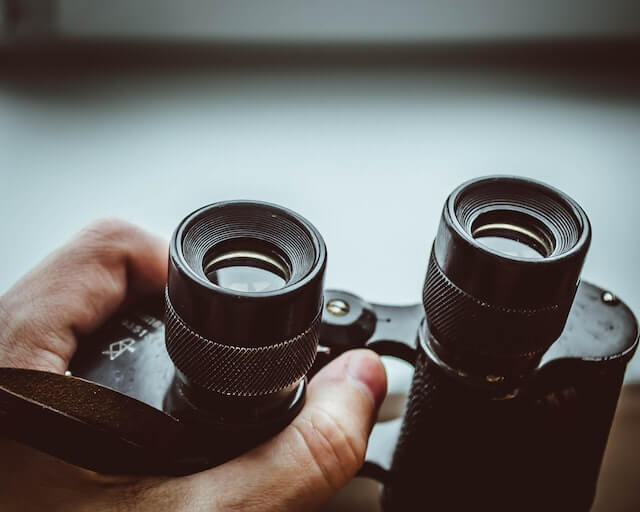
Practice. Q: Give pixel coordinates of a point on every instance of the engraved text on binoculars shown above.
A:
(117, 348)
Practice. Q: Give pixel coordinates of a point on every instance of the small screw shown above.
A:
(67, 373)
(338, 307)
(494, 378)
(609, 298)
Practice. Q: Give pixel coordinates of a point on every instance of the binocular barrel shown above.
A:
(243, 312)
(502, 276)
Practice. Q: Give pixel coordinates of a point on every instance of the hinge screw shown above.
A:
(609, 298)
(338, 307)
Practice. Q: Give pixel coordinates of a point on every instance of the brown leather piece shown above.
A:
(619, 483)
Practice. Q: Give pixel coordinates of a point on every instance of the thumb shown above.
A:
(317, 454)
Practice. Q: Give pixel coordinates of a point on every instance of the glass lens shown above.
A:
(247, 271)
(520, 241)
(243, 278)
(510, 247)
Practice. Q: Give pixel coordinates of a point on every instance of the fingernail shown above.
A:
(365, 366)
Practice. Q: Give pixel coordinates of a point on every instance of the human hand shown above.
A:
(72, 293)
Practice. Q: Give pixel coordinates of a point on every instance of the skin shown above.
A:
(71, 293)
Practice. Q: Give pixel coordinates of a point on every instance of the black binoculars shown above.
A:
(518, 363)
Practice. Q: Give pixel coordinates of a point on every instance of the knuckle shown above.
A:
(103, 241)
(98, 256)
(105, 230)
(335, 451)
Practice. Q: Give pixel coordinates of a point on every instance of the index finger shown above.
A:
(75, 289)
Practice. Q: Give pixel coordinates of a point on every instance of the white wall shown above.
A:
(347, 20)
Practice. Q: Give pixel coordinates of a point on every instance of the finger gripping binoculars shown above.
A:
(518, 363)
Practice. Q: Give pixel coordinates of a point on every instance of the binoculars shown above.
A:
(518, 363)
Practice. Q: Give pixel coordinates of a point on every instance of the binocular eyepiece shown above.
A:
(502, 275)
(243, 310)
(244, 295)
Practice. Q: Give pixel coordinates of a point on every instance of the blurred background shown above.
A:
(361, 115)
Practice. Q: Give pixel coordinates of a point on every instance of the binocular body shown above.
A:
(518, 363)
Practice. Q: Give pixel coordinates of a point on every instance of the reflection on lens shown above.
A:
(513, 240)
(246, 279)
(509, 247)
(247, 271)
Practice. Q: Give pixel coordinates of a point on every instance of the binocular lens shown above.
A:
(247, 270)
(513, 234)
(510, 246)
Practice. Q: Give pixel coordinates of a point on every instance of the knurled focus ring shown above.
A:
(239, 371)
(467, 324)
